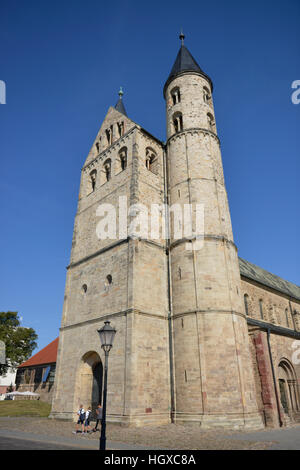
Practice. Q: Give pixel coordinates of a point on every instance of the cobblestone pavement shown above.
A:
(158, 437)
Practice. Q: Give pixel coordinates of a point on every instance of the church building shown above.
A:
(203, 336)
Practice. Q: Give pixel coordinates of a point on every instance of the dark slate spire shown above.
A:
(120, 106)
(185, 62)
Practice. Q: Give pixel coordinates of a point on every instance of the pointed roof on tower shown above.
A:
(120, 105)
(185, 62)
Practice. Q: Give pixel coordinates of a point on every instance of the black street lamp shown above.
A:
(107, 335)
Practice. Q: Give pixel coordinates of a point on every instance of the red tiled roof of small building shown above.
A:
(47, 355)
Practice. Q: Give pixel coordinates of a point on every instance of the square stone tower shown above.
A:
(119, 278)
(181, 351)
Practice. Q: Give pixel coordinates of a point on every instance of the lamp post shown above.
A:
(107, 335)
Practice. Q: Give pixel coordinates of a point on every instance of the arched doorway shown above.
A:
(288, 387)
(88, 389)
(97, 387)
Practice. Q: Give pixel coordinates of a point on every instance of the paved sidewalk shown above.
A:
(76, 442)
(44, 431)
(280, 439)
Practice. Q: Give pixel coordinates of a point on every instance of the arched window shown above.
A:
(151, 160)
(121, 128)
(175, 94)
(178, 122)
(106, 171)
(92, 181)
(211, 122)
(109, 135)
(287, 317)
(121, 163)
(295, 320)
(206, 96)
(261, 309)
(84, 289)
(108, 283)
(246, 302)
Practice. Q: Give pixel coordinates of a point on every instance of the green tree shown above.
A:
(19, 341)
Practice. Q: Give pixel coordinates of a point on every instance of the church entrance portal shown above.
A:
(89, 382)
(288, 387)
(97, 387)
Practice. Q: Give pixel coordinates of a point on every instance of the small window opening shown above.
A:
(178, 122)
(84, 288)
(93, 177)
(287, 317)
(175, 94)
(246, 298)
(261, 309)
(151, 161)
(123, 159)
(107, 170)
(121, 128)
(206, 96)
(210, 122)
(108, 136)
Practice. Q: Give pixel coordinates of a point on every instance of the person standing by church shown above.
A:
(81, 418)
(87, 420)
(98, 416)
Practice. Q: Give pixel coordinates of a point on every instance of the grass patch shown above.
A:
(24, 408)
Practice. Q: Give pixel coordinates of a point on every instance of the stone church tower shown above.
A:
(181, 350)
(212, 365)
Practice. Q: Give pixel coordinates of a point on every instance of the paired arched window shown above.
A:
(177, 122)
(151, 160)
(175, 94)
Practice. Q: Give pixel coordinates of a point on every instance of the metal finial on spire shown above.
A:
(181, 37)
(121, 92)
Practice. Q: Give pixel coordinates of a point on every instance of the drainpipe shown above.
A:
(274, 379)
(170, 329)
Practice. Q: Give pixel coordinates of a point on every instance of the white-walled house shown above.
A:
(6, 380)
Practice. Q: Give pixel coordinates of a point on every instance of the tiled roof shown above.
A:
(251, 271)
(47, 355)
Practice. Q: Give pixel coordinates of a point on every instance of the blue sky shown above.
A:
(63, 63)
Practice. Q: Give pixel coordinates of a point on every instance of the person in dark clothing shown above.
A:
(98, 417)
(81, 418)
